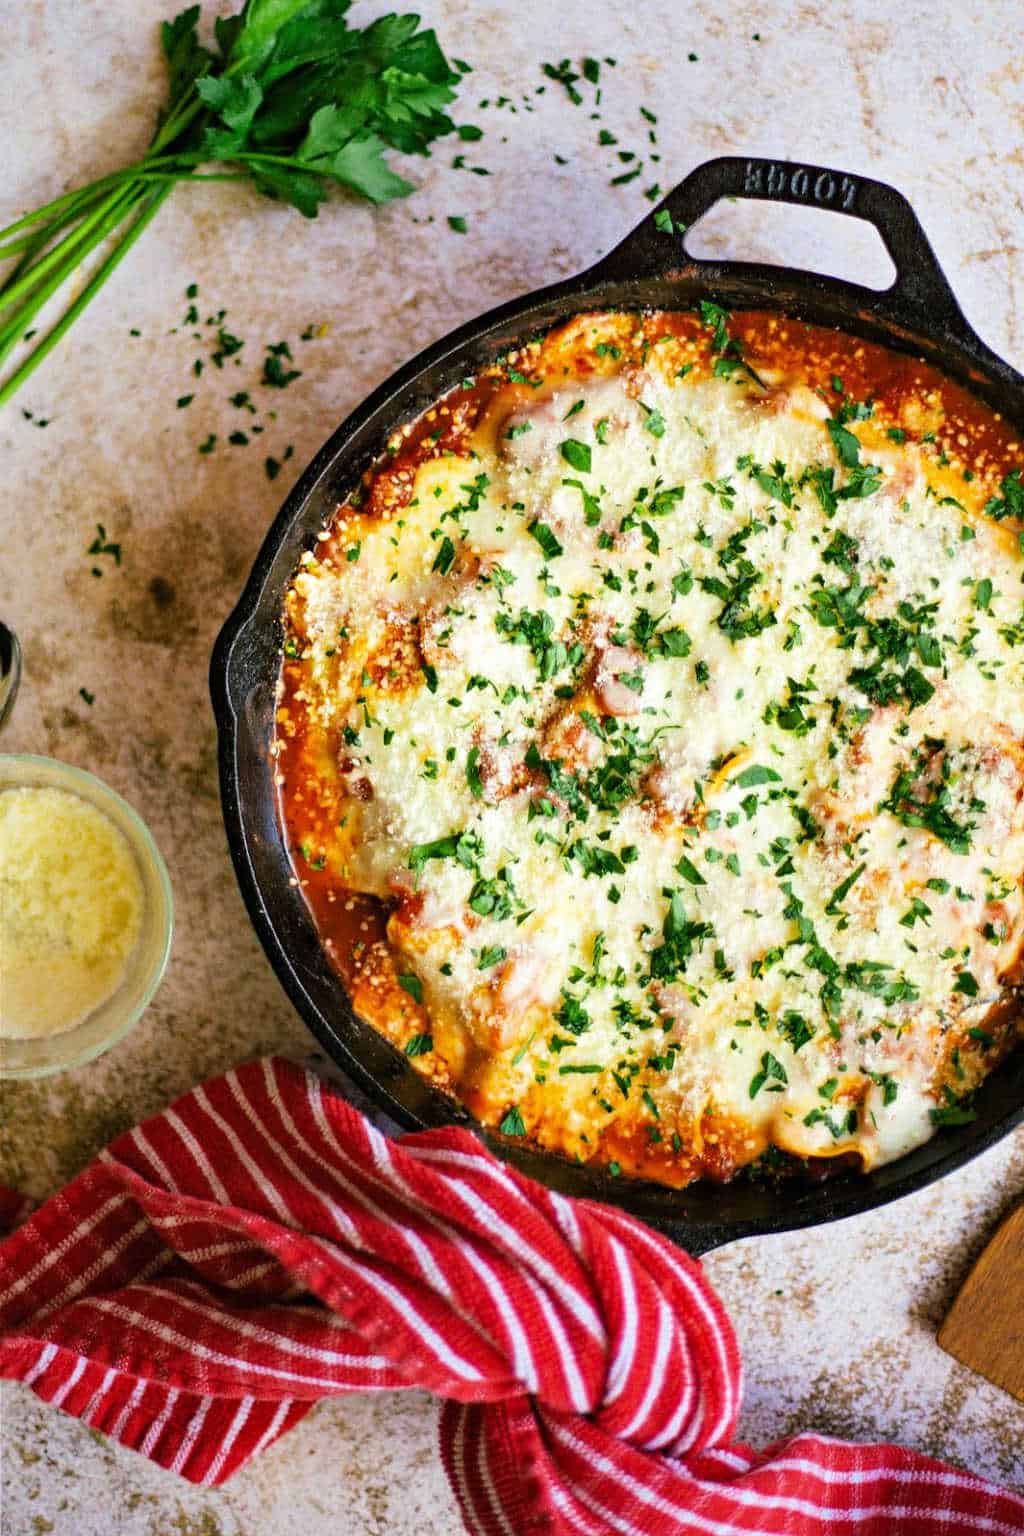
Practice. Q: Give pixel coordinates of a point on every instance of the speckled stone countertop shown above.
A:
(837, 1326)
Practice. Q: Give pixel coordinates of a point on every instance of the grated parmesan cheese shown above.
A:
(70, 910)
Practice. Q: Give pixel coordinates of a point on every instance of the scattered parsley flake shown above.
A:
(414, 986)
(512, 1123)
(577, 454)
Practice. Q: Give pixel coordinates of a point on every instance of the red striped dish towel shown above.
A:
(259, 1246)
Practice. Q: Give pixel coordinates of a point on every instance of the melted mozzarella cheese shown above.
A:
(640, 799)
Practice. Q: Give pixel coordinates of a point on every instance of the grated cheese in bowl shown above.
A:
(85, 916)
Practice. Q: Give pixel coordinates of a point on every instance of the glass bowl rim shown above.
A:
(96, 791)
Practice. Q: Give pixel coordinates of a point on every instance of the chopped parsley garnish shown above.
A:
(275, 370)
(445, 557)
(565, 75)
(836, 1128)
(921, 801)
(591, 505)
(594, 859)
(662, 502)
(1010, 501)
(465, 847)
(729, 349)
(790, 713)
(775, 481)
(576, 454)
(736, 618)
(101, 545)
(545, 538)
(846, 444)
(681, 937)
(491, 955)
(794, 1028)
(689, 871)
(572, 1015)
(473, 778)
(771, 1072)
(756, 774)
(843, 890)
(872, 976)
(654, 421)
(953, 1111)
(537, 630)
(493, 898)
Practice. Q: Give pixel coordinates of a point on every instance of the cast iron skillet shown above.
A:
(917, 314)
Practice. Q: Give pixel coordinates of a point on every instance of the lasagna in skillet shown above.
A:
(651, 744)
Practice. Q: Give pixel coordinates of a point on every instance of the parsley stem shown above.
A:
(14, 326)
(102, 215)
(37, 240)
(117, 255)
(30, 244)
(58, 205)
(144, 175)
(74, 207)
(68, 208)
(187, 159)
(140, 170)
(177, 121)
(27, 243)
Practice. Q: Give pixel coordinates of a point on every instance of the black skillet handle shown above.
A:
(657, 246)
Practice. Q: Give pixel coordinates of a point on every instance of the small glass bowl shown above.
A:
(112, 1019)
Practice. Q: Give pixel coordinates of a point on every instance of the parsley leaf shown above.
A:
(845, 443)
(473, 779)
(953, 1112)
(919, 801)
(771, 1070)
(729, 349)
(756, 774)
(577, 454)
(843, 890)
(1010, 501)
(680, 937)
(445, 556)
(545, 538)
(464, 847)
(654, 421)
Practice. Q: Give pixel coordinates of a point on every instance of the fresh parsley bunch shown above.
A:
(292, 100)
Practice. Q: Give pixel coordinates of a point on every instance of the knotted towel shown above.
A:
(259, 1246)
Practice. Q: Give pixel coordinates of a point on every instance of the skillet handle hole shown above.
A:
(782, 235)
